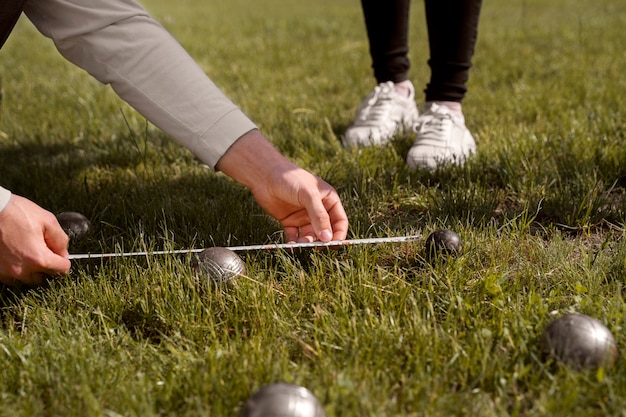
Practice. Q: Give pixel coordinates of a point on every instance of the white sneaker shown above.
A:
(382, 114)
(441, 137)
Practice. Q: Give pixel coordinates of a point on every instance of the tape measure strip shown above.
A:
(277, 246)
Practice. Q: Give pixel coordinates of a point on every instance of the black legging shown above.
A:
(452, 33)
(9, 13)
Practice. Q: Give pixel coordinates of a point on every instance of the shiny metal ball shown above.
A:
(443, 241)
(219, 264)
(580, 341)
(74, 224)
(283, 400)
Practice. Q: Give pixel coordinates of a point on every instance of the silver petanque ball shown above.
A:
(283, 400)
(219, 264)
(580, 341)
(443, 241)
(74, 224)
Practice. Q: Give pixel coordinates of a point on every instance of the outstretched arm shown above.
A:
(121, 45)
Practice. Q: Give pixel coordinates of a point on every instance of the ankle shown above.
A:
(404, 88)
(454, 106)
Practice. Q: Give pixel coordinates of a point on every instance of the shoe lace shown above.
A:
(378, 105)
(433, 125)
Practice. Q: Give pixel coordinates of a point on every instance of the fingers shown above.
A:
(323, 217)
(56, 265)
(55, 260)
(307, 234)
(338, 218)
(292, 195)
(45, 264)
(320, 221)
(34, 270)
(291, 234)
(32, 244)
(300, 234)
(328, 217)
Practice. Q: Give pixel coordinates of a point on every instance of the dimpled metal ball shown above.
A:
(443, 241)
(580, 341)
(283, 400)
(219, 264)
(74, 224)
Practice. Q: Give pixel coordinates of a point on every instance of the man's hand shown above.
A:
(32, 243)
(308, 208)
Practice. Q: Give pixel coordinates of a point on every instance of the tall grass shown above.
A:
(371, 330)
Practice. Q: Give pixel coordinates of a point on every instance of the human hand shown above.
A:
(307, 207)
(32, 244)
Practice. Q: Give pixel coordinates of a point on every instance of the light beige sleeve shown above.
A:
(119, 44)
(5, 196)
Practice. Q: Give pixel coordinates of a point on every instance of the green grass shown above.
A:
(371, 330)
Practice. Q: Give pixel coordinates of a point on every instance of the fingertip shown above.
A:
(325, 235)
(64, 253)
(305, 239)
(339, 219)
(59, 265)
(68, 268)
(291, 234)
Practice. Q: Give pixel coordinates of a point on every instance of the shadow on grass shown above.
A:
(137, 196)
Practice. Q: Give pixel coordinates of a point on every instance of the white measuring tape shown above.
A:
(284, 246)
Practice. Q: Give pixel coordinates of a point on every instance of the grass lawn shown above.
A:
(372, 330)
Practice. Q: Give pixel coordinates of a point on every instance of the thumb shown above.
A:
(56, 239)
(56, 265)
(57, 261)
